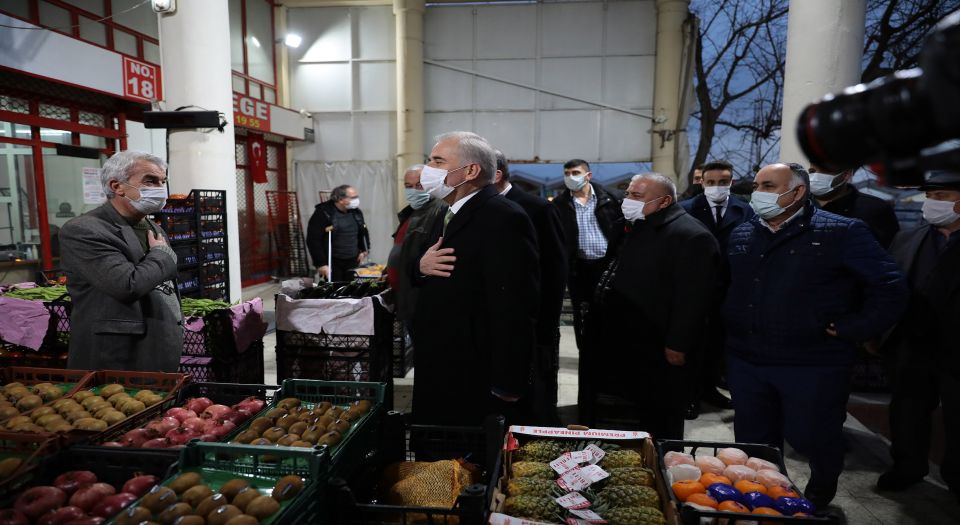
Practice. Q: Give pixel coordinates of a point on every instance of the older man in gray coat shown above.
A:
(121, 274)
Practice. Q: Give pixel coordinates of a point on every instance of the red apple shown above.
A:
(139, 485)
(69, 482)
(61, 516)
(13, 517)
(113, 504)
(37, 501)
(87, 497)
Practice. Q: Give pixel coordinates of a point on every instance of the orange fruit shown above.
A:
(766, 511)
(710, 478)
(779, 492)
(702, 499)
(745, 486)
(683, 489)
(732, 506)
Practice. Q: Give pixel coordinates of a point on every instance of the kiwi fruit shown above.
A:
(97, 405)
(9, 386)
(89, 423)
(298, 428)
(242, 519)
(195, 494)
(9, 466)
(297, 410)
(287, 421)
(190, 520)
(113, 416)
(276, 413)
(77, 414)
(287, 440)
(59, 426)
(263, 507)
(42, 411)
(17, 394)
(302, 444)
(143, 393)
(289, 402)
(171, 513)
(340, 425)
(83, 394)
(88, 401)
(221, 515)
(244, 497)
(206, 506)
(17, 420)
(233, 487)
(325, 421)
(322, 407)
(263, 442)
(246, 436)
(29, 402)
(133, 516)
(330, 438)
(151, 400)
(61, 404)
(275, 433)
(132, 407)
(46, 419)
(159, 498)
(261, 424)
(185, 481)
(110, 390)
(361, 405)
(49, 394)
(287, 487)
(8, 412)
(115, 398)
(334, 412)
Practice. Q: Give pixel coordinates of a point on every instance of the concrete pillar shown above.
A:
(824, 52)
(667, 85)
(195, 55)
(409, 19)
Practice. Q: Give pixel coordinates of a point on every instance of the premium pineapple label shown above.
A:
(573, 500)
(589, 515)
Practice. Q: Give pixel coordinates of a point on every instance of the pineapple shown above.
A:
(535, 486)
(540, 508)
(622, 458)
(629, 476)
(533, 469)
(628, 496)
(545, 450)
(635, 516)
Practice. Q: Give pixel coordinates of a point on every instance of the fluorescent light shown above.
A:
(292, 40)
(254, 41)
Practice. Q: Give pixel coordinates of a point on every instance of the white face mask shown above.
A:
(151, 199)
(765, 203)
(575, 182)
(939, 213)
(821, 183)
(633, 209)
(716, 194)
(434, 180)
(354, 204)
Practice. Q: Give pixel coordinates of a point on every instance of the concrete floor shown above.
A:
(928, 503)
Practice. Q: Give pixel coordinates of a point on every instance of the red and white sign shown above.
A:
(257, 158)
(141, 81)
(251, 113)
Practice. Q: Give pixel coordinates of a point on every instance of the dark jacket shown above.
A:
(416, 240)
(553, 261)
(474, 330)
(876, 212)
(737, 213)
(928, 329)
(609, 217)
(788, 287)
(317, 234)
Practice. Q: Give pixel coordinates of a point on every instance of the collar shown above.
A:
(507, 189)
(591, 198)
(455, 207)
(785, 223)
(712, 205)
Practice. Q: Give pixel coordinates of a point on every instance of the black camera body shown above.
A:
(903, 125)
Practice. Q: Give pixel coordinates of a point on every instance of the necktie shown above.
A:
(446, 220)
(719, 208)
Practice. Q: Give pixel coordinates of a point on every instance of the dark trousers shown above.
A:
(804, 405)
(705, 366)
(341, 269)
(582, 283)
(918, 388)
(546, 367)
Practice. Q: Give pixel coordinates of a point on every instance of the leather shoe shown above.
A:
(895, 481)
(715, 398)
(819, 494)
(692, 411)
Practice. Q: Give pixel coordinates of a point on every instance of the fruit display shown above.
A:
(553, 480)
(91, 410)
(18, 398)
(291, 422)
(198, 418)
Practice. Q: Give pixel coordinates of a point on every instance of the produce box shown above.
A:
(553, 475)
(52, 349)
(51, 488)
(223, 343)
(57, 382)
(20, 454)
(231, 470)
(747, 470)
(361, 498)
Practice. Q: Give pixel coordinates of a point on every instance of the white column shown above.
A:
(409, 28)
(195, 53)
(667, 89)
(824, 52)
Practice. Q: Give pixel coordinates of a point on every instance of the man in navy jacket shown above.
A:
(806, 287)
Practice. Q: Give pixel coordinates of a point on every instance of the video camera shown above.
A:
(902, 125)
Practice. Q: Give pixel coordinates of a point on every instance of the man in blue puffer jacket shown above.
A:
(806, 286)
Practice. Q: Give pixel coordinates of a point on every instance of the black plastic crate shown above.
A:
(227, 393)
(402, 350)
(690, 516)
(354, 498)
(54, 347)
(187, 254)
(213, 250)
(245, 367)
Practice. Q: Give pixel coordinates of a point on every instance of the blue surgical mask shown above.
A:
(416, 198)
(765, 204)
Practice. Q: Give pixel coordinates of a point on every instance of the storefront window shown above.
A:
(93, 6)
(259, 40)
(65, 196)
(236, 36)
(55, 17)
(18, 210)
(135, 15)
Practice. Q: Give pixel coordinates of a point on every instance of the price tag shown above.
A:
(589, 515)
(594, 473)
(574, 479)
(575, 521)
(597, 453)
(564, 463)
(574, 500)
(582, 456)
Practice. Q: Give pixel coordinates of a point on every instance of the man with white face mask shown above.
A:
(923, 350)
(834, 193)
(592, 221)
(806, 286)
(721, 214)
(652, 304)
(121, 274)
(339, 217)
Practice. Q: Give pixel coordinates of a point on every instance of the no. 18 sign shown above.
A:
(141, 81)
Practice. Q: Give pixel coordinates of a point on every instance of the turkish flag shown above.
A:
(257, 158)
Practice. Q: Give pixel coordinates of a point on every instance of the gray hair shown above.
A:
(339, 192)
(119, 166)
(474, 149)
(415, 167)
(665, 182)
(800, 175)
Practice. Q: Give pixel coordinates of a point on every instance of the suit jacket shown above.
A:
(317, 231)
(474, 330)
(120, 320)
(877, 213)
(609, 217)
(927, 328)
(418, 237)
(737, 212)
(553, 261)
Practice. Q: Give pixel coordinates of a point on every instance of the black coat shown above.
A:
(609, 217)
(737, 212)
(553, 262)
(928, 327)
(474, 331)
(317, 234)
(876, 212)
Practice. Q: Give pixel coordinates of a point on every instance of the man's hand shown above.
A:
(324, 272)
(155, 240)
(362, 257)
(675, 358)
(508, 399)
(832, 330)
(438, 261)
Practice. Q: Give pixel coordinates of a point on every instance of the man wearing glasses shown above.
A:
(121, 274)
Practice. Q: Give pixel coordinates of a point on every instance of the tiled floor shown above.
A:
(928, 503)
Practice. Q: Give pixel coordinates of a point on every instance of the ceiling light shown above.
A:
(292, 40)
